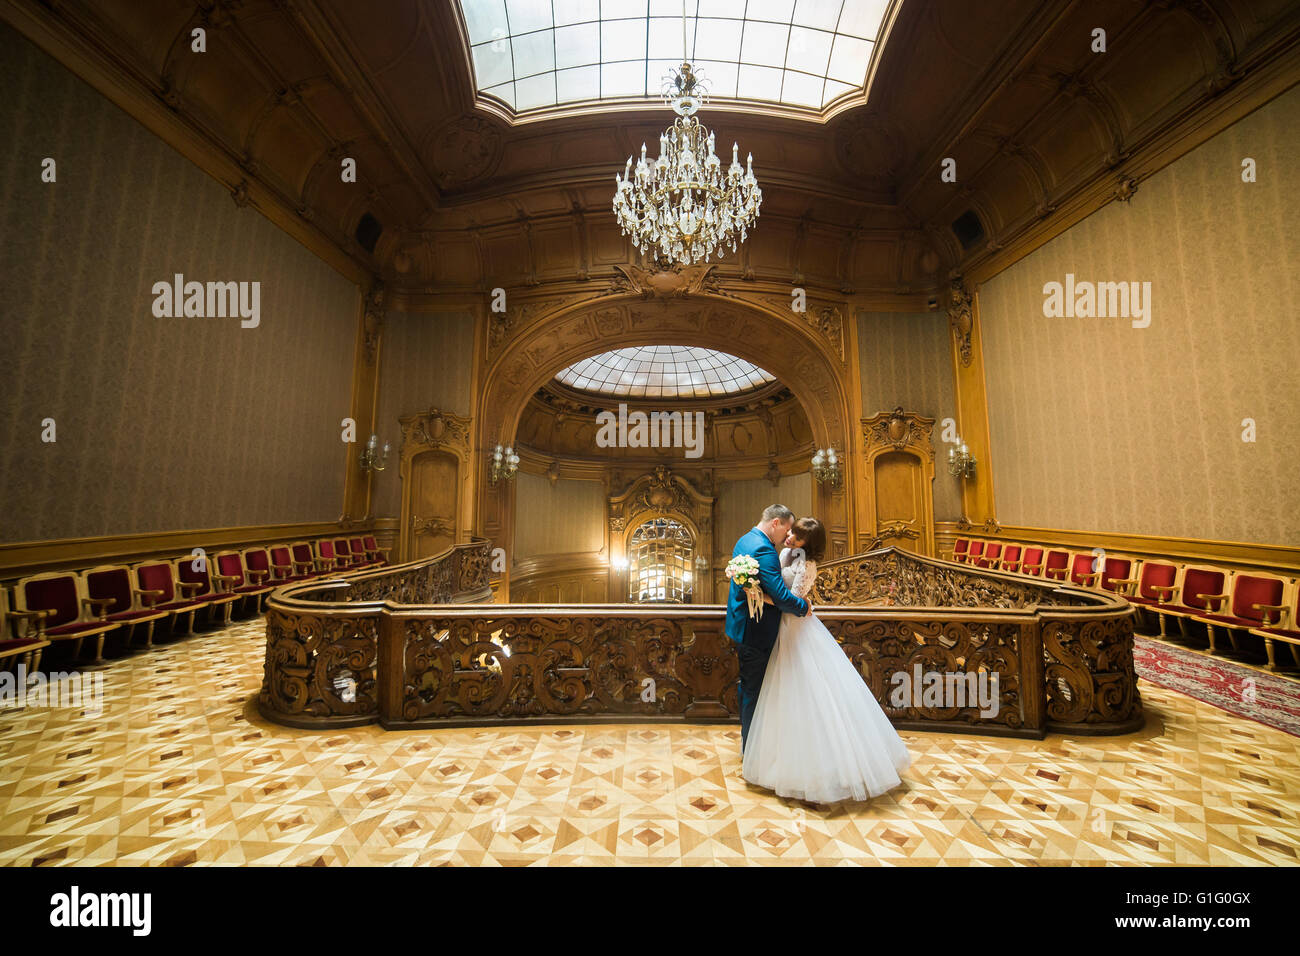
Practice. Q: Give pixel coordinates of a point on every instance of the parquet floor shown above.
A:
(179, 769)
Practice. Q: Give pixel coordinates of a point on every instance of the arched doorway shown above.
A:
(803, 352)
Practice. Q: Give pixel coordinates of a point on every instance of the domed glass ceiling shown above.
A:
(664, 371)
(535, 54)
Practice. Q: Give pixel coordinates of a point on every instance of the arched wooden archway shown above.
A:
(786, 345)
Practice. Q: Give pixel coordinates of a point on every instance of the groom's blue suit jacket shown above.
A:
(740, 627)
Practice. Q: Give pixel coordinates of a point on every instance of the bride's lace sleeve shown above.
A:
(804, 576)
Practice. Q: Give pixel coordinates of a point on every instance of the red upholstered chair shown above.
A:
(71, 616)
(1255, 600)
(358, 547)
(958, 552)
(992, 557)
(1119, 574)
(197, 580)
(974, 552)
(293, 562)
(1158, 581)
(374, 550)
(1032, 561)
(1081, 571)
(1203, 590)
(21, 636)
(112, 583)
(160, 592)
(228, 566)
(327, 557)
(257, 565)
(1056, 564)
(347, 560)
(1284, 625)
(1011, 555)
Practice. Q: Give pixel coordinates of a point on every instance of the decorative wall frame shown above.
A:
(908, 434)
(436, 433)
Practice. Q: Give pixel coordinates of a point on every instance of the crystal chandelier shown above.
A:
(683, 204)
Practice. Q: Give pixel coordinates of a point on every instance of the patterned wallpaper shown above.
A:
(565, 518)
(425, 360)
(161, 423)
(1097, 425)
(740, 506)
(905, 359)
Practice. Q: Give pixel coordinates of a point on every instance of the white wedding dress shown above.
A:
(818, 733)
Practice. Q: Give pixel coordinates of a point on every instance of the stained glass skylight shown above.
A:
(664, 371)
(539, 54)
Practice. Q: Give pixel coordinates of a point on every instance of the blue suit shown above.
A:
(755, 639)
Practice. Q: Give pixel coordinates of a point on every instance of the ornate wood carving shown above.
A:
(1063, 657)
(961, 317)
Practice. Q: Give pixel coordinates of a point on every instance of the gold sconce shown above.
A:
(826, 467)
(372, 458)
(961, 463)
(503, 463)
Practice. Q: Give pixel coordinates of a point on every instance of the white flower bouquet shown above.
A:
(743, 570)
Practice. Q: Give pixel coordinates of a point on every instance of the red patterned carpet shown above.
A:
(1238, 690)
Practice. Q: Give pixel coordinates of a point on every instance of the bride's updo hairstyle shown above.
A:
(813, 535)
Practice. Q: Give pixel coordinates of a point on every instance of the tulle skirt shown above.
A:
(818, 733)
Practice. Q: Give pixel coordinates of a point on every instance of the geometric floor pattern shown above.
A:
(180, 770)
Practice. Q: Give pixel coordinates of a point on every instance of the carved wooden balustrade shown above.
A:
(397, 645)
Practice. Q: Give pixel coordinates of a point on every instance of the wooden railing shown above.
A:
(399, 647)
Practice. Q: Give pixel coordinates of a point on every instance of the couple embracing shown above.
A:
(810, 728)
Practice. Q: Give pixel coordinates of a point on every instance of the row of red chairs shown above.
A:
(1257, 603)
(127, 602)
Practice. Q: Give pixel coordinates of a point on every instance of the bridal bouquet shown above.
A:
(743, 570)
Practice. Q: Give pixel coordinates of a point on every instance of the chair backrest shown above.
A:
(326, 549)
(341, 549)
(1251, 589)
(1057, 560)
(187, 572)
(1081, 565)
(231, 565)
(1116, 567)
(976, 550)
(1033, 556)
(960, 547)
(358, 547)
(157, 576)
(284, 555)
(1011, 557)
(370, 543)
(1156, 574)
(257, 559)
(111, 581)
(993, 551)
(1198, 580)
(55, 591)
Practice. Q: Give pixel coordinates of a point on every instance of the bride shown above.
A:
(818, 734)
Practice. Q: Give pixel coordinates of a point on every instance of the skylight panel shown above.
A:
(798, 53)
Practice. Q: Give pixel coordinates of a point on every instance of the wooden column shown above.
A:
(972, 401)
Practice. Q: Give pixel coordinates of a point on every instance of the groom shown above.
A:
(754, 639)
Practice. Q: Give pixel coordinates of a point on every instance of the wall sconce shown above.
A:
(372, 459)
(826, 467)
(503, 463)
(961, 463)
(619, 564)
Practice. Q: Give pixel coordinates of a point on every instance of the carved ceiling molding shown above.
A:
(666, 281)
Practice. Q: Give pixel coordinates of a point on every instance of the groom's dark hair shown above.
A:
(780, 512)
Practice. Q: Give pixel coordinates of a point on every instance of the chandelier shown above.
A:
(683, 204)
